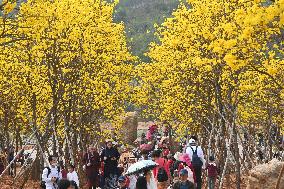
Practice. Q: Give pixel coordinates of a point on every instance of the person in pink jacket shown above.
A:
(187, 162)
(149, 135)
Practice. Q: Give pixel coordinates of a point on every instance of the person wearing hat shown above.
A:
(196, 155)
(122, 182)
(183, 182)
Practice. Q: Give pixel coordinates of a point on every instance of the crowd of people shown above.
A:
(106, 168)
(179, 166)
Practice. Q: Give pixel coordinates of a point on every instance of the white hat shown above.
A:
(191, 141)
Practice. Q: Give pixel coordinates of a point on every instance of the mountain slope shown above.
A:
(139, 17)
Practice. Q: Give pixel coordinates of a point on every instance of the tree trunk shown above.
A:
(222, 123)
(36, 171)
(237, 157)
(226, 163)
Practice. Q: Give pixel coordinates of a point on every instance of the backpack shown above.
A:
(42, 184)
(196, 161)
(162, 175)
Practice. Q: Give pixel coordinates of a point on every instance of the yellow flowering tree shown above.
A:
(71, 69)
(215, 64)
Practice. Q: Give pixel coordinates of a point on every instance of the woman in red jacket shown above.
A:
(163, 167)
(156, 156)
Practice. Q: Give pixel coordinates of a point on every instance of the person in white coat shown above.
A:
(51, 174)
(190, 150)
(194, 146)
(72, 175)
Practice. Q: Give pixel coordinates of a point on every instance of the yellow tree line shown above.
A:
(216, 60)
(67, 57)
(215, 55)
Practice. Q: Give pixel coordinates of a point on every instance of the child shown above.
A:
(72, 175)
(212, 172)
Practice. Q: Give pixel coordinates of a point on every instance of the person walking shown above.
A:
(151, 184)
(110, 157)
(188, 166)
(196, 155)
(183, 182)
(11, 153)
(72, 175)
(91, 161)
(162, 162)
(212, 170)
(132, 181)
(64, 172)
(51, 174)
(162, 171)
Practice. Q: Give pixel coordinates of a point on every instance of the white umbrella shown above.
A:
(140, 166)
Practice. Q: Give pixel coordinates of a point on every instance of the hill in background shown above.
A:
(139, 17)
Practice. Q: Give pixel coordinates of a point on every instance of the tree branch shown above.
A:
(270, 76)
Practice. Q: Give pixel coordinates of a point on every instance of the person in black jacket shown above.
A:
(110, 157)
